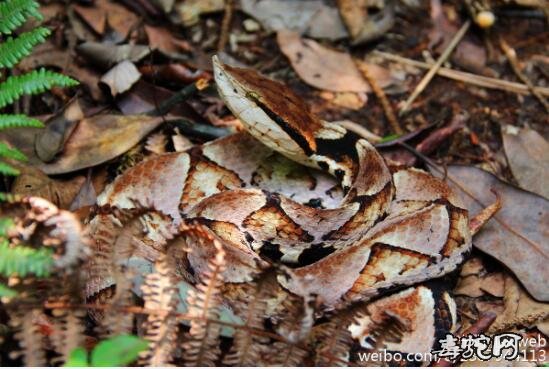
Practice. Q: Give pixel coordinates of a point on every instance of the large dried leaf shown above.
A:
(101, 138)
(528, 156)
(328, 69)
(517, 235)
(312, 18)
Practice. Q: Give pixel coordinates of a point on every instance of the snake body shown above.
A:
(302, 192)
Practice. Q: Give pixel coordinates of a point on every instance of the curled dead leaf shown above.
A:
(517, 234)
(121, 77)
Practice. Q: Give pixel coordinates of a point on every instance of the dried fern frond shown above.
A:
(68, 333)
(116, 322)
(160, 293)
(202, 347)
(248, 347)
(30, 339)
(295, 322)
(113, 232)
(333, 341)
(391, 329)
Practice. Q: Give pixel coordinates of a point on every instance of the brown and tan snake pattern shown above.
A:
(298, 191)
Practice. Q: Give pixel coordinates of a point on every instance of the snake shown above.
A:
(291, 189)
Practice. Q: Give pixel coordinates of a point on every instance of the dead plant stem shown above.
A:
(380, 94)
(469, 78)
(435, 67)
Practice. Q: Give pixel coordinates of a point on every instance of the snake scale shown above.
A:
(308, 194)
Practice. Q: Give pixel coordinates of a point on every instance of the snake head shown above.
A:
(268, 110)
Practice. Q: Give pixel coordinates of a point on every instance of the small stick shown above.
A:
(470, 78)
(427, 78)
(178, 97)
(513, 60)
(225, 24)
(380, 94)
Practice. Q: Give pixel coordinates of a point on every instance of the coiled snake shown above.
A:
(309, 194)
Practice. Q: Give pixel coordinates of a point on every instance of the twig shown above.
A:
(359, 130)
(513, 60)
(205, 131)
(225, 24)
(380, 94)
(470, 78)
(178, 97)
(427, 78)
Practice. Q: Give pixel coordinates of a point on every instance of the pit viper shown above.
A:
(310, 195)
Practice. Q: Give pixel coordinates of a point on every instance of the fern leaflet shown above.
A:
(13, 13)
(18, 120)
(11, 153)
(15, 49)
(5, 291)
(22, 260)
(31, 83)
(8, 170)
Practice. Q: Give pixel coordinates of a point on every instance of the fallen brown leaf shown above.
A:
(528, 156)
(325, 68)
(161, 39)
(94, 17)
(121, 77)
(101, 138)
(105, 12)
(517, 234)
(33, 182)
(472, 266)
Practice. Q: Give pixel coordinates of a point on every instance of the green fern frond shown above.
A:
(11, 152)
(13, 13)
(22, 260)
(18, 120)
(15, 49)
(5, 224)
(5, 291)
(8, 170)
(31, 83)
